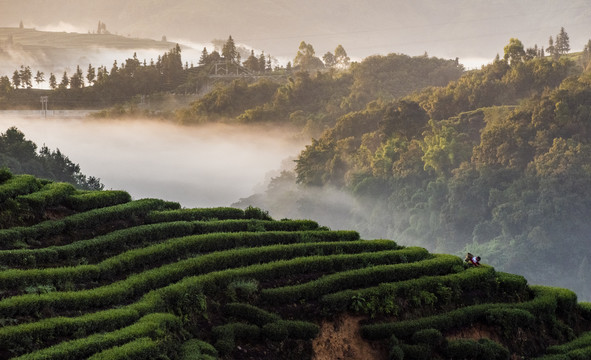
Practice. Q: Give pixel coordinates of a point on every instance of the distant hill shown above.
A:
(94, 274)
(58, 51)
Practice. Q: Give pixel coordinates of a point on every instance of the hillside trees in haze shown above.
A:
(20, 156)
(495, 163)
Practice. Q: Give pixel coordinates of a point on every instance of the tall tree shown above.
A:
(77, 81)
(39, 77)
(252, 63)
(204, 56)
(229, 50)
(26, 77)
(52, 81)
(90, 74)
(562, 42)
(16, 79)
(329, 59)
(514, 52)
(341, 58)
(306, 59)
(65, 81)
(551, 49)
(262, 62)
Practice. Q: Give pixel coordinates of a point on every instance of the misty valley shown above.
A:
(212, 165)
(231, 206)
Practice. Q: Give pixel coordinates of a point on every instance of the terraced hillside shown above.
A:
(100, 276)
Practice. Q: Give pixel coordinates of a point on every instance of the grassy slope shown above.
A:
(94, 274)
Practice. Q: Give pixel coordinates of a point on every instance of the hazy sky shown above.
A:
(468, 29)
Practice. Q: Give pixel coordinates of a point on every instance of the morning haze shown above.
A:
(447, 126)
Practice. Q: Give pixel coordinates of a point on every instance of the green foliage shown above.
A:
(481, 349)
(242, 290)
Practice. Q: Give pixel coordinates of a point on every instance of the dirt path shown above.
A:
(341, 340)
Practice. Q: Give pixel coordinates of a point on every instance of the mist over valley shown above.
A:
(314, 180)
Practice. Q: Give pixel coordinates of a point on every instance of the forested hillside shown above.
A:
(97, 275)
(495, 162)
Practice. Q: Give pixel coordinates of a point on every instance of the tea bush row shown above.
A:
(141, 349)
(84, 220)
(547, 302)
(440, 264)
(88, 200)
(120, 240)
(126, 290)
(153, 325)
(51, 194)
(381, 298)
(219, 213)
(165, 298)
(18, 185)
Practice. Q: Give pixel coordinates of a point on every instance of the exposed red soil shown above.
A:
(341, 340)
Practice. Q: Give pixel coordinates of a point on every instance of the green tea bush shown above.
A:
(18, 185)
(430, 337)
(441, 264)
(51, 194)
(276, 331)
(250, 313)
(138, 284)
(448, 288)
(140, 349)
(88, 200)
(220, 213)
(152, 325)
(471, 349)
(195, 349)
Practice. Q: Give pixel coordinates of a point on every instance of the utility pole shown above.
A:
(44, 105)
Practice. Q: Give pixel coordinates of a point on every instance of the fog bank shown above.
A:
(212, 165)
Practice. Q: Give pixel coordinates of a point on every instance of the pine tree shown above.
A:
(16, 79)
(52, 81)
(90, 75)
(204, 56)
(39, 77)
(262, 61)
(562, 42)
(229, 50)
(551, 49)
(65, 81)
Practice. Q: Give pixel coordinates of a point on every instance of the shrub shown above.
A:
(276, 331)
(430, 337)
(242, 289)
(250, 313)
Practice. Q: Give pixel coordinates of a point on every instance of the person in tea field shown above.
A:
(471, 259)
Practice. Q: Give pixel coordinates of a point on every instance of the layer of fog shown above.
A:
(196, 166)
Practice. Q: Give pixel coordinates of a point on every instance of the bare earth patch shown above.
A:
(341, 340)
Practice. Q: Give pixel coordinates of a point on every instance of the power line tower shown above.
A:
(44, 105)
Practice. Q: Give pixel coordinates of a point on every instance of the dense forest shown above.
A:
(495, 163)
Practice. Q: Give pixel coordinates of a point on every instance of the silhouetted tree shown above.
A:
(39, 77)
(52, 81)
(329, 59)
(562, 42)
(252, 63)
(229, 50)
(90, 74)
(65, 81)
(16, 79)
(514, 52)
(26, 77)
(340, 56)
(204, 56)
